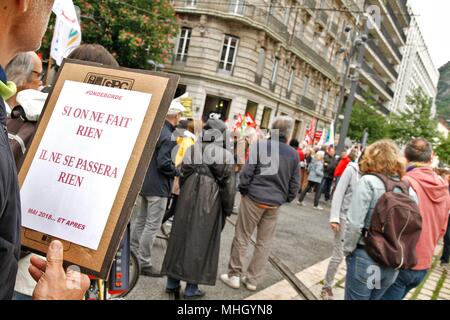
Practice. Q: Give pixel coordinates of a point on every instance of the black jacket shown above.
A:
(268, 181)
(206, 199)
(329, 165)
(10, 219)
(159, 178)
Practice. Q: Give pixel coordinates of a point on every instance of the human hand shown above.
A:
(53, 283)
(335, 227)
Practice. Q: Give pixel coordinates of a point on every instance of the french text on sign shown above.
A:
(85, 149)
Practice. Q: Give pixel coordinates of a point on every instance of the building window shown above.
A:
(237, 6)
(333, 16)
(265, 121)
(183, 44)
(336, 104)
(228, 55)
(273, 77)
(287, 14)
(305, 86)
(260, 65)
(190, 3)
(291, 80)
(217, 105)
(325, 101)
(252, 109)
(296, 129)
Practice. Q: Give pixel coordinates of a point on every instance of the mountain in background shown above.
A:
(443, 96)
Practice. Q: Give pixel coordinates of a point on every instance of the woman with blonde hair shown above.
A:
(366, 279)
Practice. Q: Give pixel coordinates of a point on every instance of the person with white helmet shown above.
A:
(152, 200)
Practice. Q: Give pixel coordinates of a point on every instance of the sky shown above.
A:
(434, 21)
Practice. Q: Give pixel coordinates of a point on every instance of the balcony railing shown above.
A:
(277, 26)
(250, 11)
(391, 42)
(364, 94)
(307, 103)
(262, 16)
(343, 38)
(307, 51)
(395, 19)
(377, 79)
(310, 6)
(404, 8)
(334, 29)
(322, 17)
(353, 5)
(382, 57)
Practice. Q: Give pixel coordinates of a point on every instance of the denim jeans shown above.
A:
(446, 254)
(406, 280)
(311, 185)
(148, 214)
(21, 296)
(366, 280)
(325, 188)
(191, 288)
(337, 257)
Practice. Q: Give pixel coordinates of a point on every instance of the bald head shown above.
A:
(23, 24)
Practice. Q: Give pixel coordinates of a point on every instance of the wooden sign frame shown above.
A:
(162, 86)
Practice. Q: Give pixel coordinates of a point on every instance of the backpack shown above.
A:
(395, 227)
(20, 134)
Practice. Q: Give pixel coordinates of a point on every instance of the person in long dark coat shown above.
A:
(206, 199)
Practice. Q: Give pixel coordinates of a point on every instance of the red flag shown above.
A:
(250, 121)
(318, 136)
(309, 133)
(237, 122)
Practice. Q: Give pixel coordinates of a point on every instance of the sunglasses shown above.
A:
(40, 75)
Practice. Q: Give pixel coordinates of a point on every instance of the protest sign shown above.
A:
(88, 159)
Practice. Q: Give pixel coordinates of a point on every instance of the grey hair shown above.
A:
(419, 150)
(20, 69)
(284, 126)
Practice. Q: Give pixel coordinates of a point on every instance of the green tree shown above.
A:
(134, 31)
(443, 151)
(365, 117)
(414, 123)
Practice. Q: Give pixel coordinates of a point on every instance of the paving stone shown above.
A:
(427, 291)
(434, 277)
(423, 297)
(444, 296)
(430, 286)
(445, 290)
(339, 294)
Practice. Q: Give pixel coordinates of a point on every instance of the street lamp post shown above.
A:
(361, 43)
(156, 66)
(345, 76)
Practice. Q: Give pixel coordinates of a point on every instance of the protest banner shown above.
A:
(87, 162)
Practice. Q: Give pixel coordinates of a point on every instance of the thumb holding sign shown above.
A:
(53, 283)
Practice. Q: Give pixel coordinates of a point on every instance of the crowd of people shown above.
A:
(388, 210)
(355, 183)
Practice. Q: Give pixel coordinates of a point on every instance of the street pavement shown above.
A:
(303, 239)
(303, 242)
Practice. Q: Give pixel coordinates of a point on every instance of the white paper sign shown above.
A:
(77, 170)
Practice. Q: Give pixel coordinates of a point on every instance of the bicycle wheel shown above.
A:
(135, 270)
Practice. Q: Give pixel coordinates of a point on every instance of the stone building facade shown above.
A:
(263, 57)
(274, 57)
